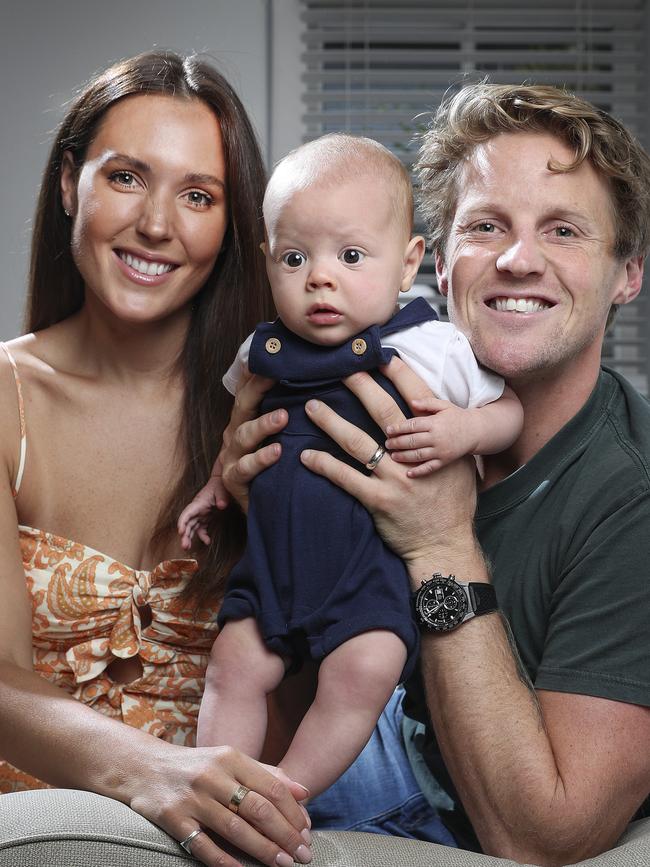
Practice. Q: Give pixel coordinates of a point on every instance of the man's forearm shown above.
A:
(492, 736)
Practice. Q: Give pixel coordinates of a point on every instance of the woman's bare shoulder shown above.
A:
(15, 634)
(14, 355)
(10, 421)
(38, 350)
(42, 360)
(29, 358)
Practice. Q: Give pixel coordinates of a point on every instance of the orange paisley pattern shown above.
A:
(86, 612)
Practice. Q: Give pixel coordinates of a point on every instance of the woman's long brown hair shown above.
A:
(232, 301)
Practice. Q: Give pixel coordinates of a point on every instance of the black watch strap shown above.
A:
(483, 597)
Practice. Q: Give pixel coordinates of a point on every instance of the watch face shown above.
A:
(441, 604)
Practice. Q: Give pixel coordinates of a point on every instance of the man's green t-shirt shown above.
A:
(568, 540)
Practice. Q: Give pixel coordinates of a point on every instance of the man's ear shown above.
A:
(68, 182)
(412, 258)
(441, 275)
(633, 281)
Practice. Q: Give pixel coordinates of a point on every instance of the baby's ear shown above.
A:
(263, 247)
(412, 258)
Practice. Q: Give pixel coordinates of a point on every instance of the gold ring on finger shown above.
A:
(237, 797)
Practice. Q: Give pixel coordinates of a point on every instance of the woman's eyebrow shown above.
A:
(141, 166)
(133, 162)
(200, 178)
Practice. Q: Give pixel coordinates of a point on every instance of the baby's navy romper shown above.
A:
(315, 571)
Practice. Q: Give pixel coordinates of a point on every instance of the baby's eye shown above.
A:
(352, 256)
(293, 259)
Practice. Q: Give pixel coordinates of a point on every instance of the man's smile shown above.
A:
(509, 304)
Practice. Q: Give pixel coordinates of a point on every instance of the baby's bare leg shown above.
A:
(287, 706)
(354, 683)
(240, 674)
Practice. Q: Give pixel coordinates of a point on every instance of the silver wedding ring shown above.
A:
(187, 842)
(237, 797)
(374, 460)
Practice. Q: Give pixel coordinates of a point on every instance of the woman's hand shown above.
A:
(188, 789)
(240, 460)
(415, 516)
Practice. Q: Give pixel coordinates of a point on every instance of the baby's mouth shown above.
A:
(323, 314)
(322, 308)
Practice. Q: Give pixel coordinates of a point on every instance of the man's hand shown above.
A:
(415, 516)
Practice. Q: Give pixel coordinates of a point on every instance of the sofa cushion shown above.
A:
(67, 828)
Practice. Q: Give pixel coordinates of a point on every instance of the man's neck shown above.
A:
(550, 400)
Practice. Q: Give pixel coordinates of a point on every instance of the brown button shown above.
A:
(359, 346)
(273, 345)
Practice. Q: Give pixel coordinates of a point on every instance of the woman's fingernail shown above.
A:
(302, 854)
(306, 836)
(312, 405)
(305, 455)
(304, 788)
(389, 429)
(284, 860)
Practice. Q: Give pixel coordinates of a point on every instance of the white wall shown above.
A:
(50, 47)
(286, 125)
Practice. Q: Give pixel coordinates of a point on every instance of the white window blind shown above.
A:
(372, 66)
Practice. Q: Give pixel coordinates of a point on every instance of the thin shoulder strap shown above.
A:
(23, 430)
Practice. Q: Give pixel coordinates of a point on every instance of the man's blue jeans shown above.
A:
(379, 793)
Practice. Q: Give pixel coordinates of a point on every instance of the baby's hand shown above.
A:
(432, 441)
(194, 518)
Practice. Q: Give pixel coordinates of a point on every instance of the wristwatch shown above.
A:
(442, 603)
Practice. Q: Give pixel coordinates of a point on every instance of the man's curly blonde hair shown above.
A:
(478, 112)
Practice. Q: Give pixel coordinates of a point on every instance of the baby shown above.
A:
(316, 581)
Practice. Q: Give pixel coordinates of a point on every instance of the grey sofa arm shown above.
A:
(60, 827)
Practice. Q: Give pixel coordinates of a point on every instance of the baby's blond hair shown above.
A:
(338, 158)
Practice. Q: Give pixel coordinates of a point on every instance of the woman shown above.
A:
(145, 278)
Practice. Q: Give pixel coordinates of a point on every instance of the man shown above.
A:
(539, 211)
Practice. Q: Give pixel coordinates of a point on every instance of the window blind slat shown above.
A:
(411, 56)
(352, 77)
(502, 35)
(453, 6)
(495, 17)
